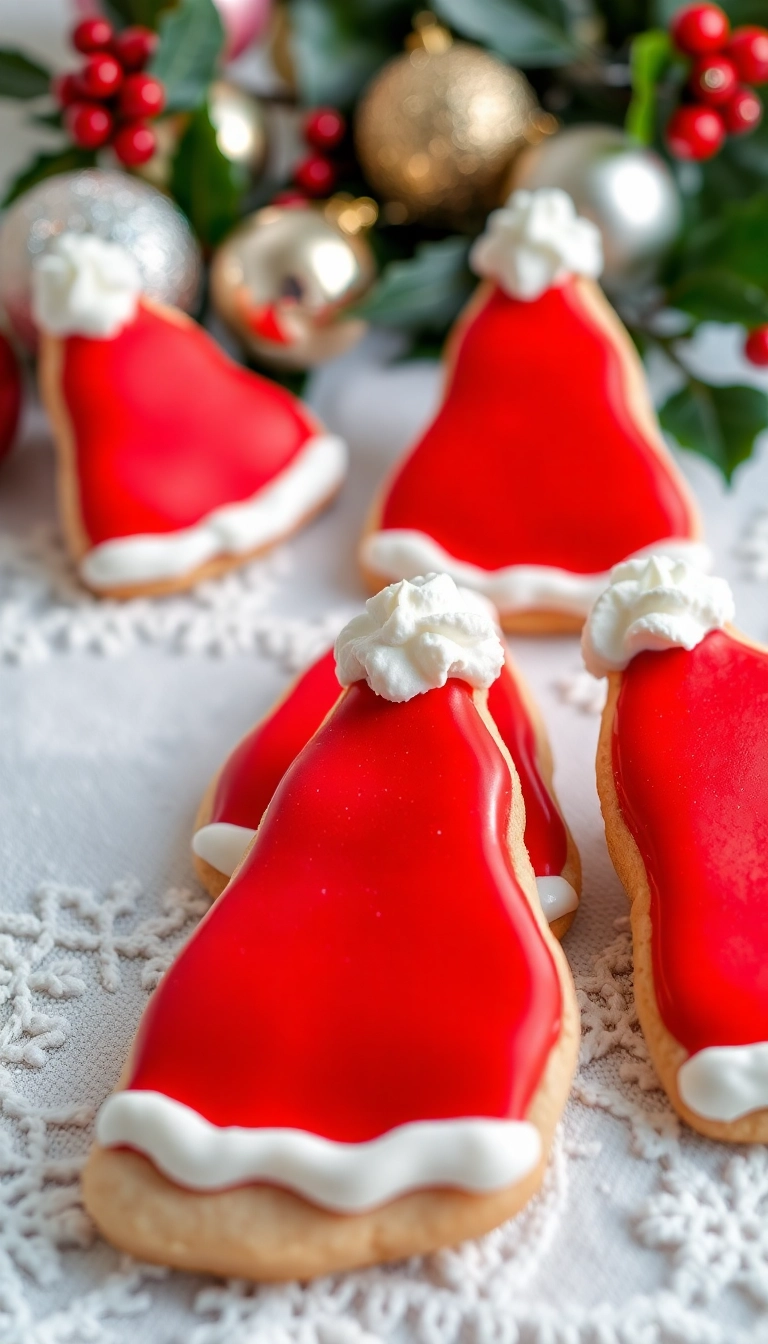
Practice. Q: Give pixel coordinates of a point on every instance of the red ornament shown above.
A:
(89, 124)
(756, 347)
(101, 76)
(324, 128)
(315, 175)
(134, 143)
(133, 47)
(697, 29)
(290, 199)
(141, 96)
(714, 79)
(92, 35)
(695, 132)
(748, 49)
(744, 112)
(65, 89)
(10, 395)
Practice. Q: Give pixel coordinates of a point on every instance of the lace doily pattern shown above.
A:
(45, 611)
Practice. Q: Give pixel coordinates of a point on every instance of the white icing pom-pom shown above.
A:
(655, 603)
(535, 241)
(416, 634)
(84, 286)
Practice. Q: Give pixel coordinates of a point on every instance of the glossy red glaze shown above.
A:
(168, 428)
(252, 772)
(10, 395)
(690, 757)
(374, 961)
(560, 473)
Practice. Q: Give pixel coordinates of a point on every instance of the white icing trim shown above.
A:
(400, 552)
(235, 529)
(725, 1082)
(85, 286)
(557, 897)
(535, 241)
(652, 604)
(222, 844)
(470, 1154)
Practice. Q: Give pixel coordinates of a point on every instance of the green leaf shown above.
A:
(144, 12)
(720, 296)
(54, 120)
(428, 290)
(733, 240)
(720, 423)
(22, 78)
(191, 39)
(333, 60)
(208, 187)
(48, 165)
(649, 58)
(528, 32)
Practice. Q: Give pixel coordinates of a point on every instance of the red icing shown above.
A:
(10, 395)
(254, 769)
(375, 961)
(168, 428)
(533, 457)
(690, 757)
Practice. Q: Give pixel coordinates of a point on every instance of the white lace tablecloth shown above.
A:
(112, 719)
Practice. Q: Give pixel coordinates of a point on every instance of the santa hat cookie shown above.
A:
(682, 771)
(238, 795)
(363, 1051)
(175, 462)
(545, 465)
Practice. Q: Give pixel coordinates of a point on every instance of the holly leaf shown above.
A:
(720, 296)
(733, 240)
(22, 78)
(720, 423)
(427, 290)
(528, 32)
(48, 165)
(208, 187)
(649, 58)
(333, 60)
(191, 40)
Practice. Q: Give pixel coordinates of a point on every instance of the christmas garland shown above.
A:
(679, 84)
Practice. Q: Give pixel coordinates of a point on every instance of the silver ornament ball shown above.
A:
(626, 189)
(113, 206)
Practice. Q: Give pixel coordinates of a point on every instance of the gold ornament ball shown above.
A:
(282, 280)
(436, 130)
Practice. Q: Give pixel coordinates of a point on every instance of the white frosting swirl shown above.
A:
(84, 286)
(656, 603)
(535, 241)
(416, 634)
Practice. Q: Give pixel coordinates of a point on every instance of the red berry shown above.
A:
(141, 96)
(101, 76)
(748, 49)
(315, 175)
(134, 46)
(714, 79)
(92, 35)
(743, 113)
(65, 89)
(697, 29)
(134, 143)
(324, 128)
(89, 124)
(695, 132)
(756, 346)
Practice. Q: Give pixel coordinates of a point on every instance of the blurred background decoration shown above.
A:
(347, 188)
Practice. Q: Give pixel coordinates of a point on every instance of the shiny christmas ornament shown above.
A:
(436, 129)
(112, 205)
(283, 279)
(240, 127)
(244, 21)
(626, 189)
